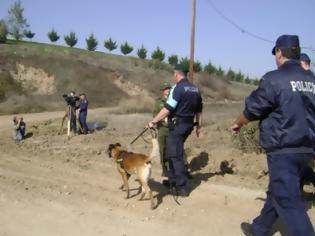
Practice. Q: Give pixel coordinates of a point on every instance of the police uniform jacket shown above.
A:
(184, 100)
(83, 105)
(284, 102)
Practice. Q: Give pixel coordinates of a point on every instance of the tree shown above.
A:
(158, 54)
(53, 36)
(184, 61)
(210, 69)
(71, 39)
(197, 67)
(91, 43)
(17, 24)
(172, 60)
(110, 44)
(239, 77)
(126, 48)
(142, 52)
(29, 34)
(219, 71)
(3, 32)
(231, 74)
(247, 80)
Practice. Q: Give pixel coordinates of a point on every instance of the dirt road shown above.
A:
(53, 186)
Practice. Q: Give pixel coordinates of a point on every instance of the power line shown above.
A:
(237, 25)
(240, 28)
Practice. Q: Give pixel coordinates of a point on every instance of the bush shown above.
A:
(29, 34)
(71, 40)
(110, 45)
(158, 54)
(247, 139)
(197, 67)
(172, 60)
(142, 52)
(91, 43)
(53, 36)
(210, 69)
(126, 48)
(3, 32)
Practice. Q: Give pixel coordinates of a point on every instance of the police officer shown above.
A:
(83, 108)
(284, 102)
(162, 126)
(182, 106)
(305, 61)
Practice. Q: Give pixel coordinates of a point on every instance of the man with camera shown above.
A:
(71, 101)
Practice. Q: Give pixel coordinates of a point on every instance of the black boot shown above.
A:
(247, 229)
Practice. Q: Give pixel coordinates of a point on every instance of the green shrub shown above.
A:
(3, 32)
(158, 54)
(247, 139)
(142, 52)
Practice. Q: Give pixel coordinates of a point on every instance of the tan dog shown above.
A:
(134, 163)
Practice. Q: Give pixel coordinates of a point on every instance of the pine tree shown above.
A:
(220, 72)
(158, 54)
(17, 24)
(210, 69)
(91, 43)
(28, 34)
(142, 52)
(172, 60)
(197, 67)
(126, 48)
(3, 32)
(110, 44)
(71, 39)
(53, 36)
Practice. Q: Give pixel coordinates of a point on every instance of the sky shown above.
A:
(226, 30)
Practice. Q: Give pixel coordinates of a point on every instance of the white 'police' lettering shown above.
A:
(191, 89)
(303, 86)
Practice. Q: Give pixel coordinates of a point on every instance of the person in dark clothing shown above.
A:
(183, 105)
(83, 110)
(284, 102)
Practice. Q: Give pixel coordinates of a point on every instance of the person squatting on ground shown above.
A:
(182, 106)
(19, 128)
(162, 126)
(83, 110)
(284, 102)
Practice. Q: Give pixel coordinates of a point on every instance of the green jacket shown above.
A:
(159, 104)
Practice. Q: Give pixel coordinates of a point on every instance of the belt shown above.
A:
(184, 119)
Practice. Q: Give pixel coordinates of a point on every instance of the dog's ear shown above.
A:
(117, 145)
(111, 146)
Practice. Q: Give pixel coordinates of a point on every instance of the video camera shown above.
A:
(70, 100)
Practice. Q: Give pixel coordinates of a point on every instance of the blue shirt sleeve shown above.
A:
(261, 102)
(173, 98)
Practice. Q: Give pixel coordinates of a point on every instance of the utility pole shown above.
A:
(192, 41)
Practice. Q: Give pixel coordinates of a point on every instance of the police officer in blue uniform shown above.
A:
(183, 105)
(83, 107)
(284, 102)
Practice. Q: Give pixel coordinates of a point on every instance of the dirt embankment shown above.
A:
(42, 73)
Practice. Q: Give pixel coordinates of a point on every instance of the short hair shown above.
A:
(291, 53)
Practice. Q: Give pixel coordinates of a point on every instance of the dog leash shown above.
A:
(142, 132)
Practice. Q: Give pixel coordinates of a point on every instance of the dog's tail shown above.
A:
(155, 152)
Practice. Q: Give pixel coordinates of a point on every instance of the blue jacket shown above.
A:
(83, 105)
(284, 103)
(184, 100)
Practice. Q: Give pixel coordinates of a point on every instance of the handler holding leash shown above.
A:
(182, 106)
(284, 102)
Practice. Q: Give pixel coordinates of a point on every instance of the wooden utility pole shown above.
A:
(192, 41)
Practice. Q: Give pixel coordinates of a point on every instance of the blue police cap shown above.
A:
(286, 41)
(305, 57)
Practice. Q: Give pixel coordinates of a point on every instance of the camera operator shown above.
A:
(71, 101)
